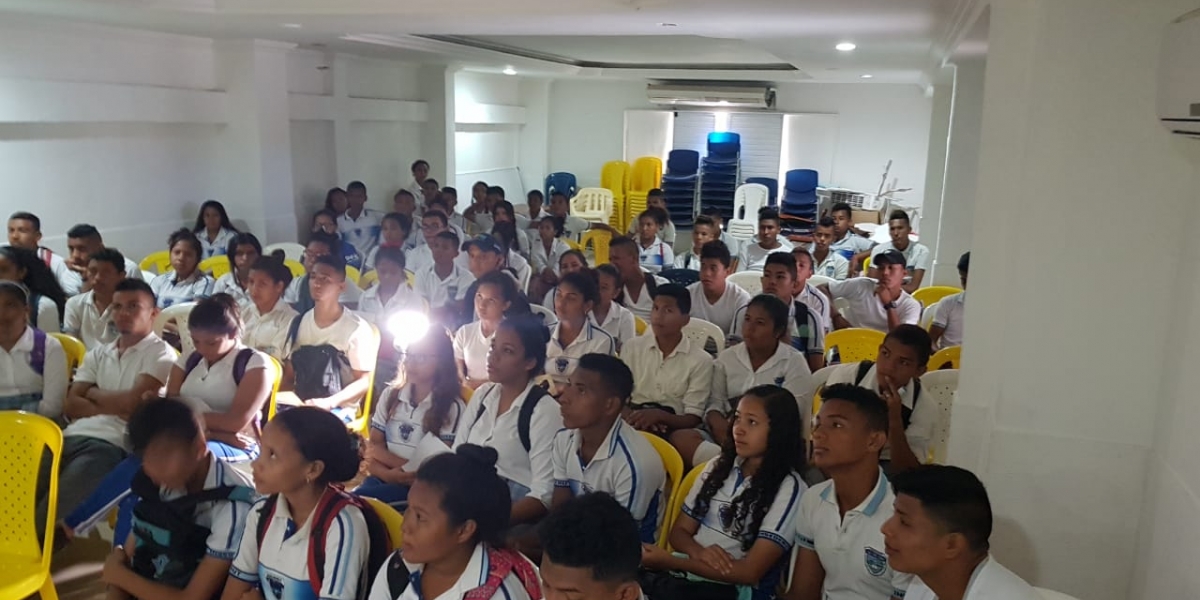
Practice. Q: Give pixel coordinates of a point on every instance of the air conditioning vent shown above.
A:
(711, 96)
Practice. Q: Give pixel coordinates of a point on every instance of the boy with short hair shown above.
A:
(827, 263)
(896, 376)
(879, 304)
(754, 255)
(590, 551)
(939, 533)
(714, 298)
(807, 294)
(947, 329)
(405, 203)
(25, 231)
(654, 254)
(714, 213)
(598, 451)
(298, 291)
(916, 255)
(671, 375)
(88, 316)
(430, 189)
(842, 555)
(416, 188)
(849, 242)
(637, 285)
(655, 198)
(703, 232)
(534, 202)
(360, 225)
(165, 556)
(83, 241)
(573, 226)
(444, 281)
(450, 197)
(433, 222)
(807, 334)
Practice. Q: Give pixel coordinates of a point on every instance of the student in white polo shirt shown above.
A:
(548, 248)
(880, 304)
(214, 229)
(575, 335)
(671, 375)
(454, 536)
(606, 567)
(25, 232)
(715, 299)
(666, 232)
(842, 554)
(299, 291)
(83, 241)
(804, 325)
(432, 223)
(517, 418)
(359, 225)
(653, 253)
(243, 251)
(738, 522)
(608, 313)
(568, 262)
(754, 254)
(267, 318)
(185, 282)
(494, 298)
(306, 453)
(394, 230)
(947, 328)
(916, 255)
(637, 286)
(939, 533)
(391, 293)
(704, 230)
(808, 294)
(599, 452)
(852, 244)
(827, 262)
(33, 367)
(89, 315)
(443, 283)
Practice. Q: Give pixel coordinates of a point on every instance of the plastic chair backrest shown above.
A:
(362, 424)
(752, 197)
(751, 281)
(178, 312)
(159, 262)
(272, 402)
(929, 295)
(673, 465)
(699, 331)
(1053, 595)
(818, 380)
(927, 315)
(646, 175)
(816, 280)
(393, 521)
(368, 279)
(296, 267)
(547, 315)
(683, 162)
(24, 439)
(800, 181)
(724, 144)
(639, 325)
(679, 496)
(772, 186)
(599, 240)
(939, 387)
(614, 176)
(951, 356)
(217, 266)
(466, 392)
(560, 182)
(866, 265)
(353, 274)
(854, 344)
(74, 349)
(593, 204)
(291, 250)
(572, 244)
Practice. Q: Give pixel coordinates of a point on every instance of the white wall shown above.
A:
(490, 119)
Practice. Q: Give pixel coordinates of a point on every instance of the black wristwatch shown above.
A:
(891, 304)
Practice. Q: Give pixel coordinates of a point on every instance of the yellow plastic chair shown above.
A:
(866, 265)
(392, 520)
(159, 262)
(217, 266)
(614, 175)
(678, 498)
(73, 348)
(353, 274)
(368, 279)
(673, 464)
(599, 240)
(466, 392)
(854, 344)
(951, 356)
(24, 563)
(572, 244)
(639, 326)
(272, 401)
(362, 424)
(929, 295)
(296, 267)
(646, 175)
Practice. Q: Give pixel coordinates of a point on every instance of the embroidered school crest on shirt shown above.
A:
(406, 430)
(779, 381)
(876, 561)
(276, 585)
(561, 364)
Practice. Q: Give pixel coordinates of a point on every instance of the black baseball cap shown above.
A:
(485, 242)
(889, 257)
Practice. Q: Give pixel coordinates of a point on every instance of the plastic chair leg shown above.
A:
(47, 591)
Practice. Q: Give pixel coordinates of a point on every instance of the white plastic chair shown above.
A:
(179, 313)
(291, 250)
(593, 204)
(547, 315)
(927, 315)
(751, 281)
(940, 387)
(700, 331)
(817, 280)
(752, 197)
(1053, 595)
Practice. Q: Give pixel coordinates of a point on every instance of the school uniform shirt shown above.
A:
(18, 380)
(574, 226)
(47, 317)
(228, 284)
(850, 245)
(110, 370)
(626, 466)
(218, 246)
(811, 297)
(619, 323)
(541, 259)
(804, 329)
(268, 332)
(753, 257)
(67, 279)
(348, 297)
(865, 308)
(666, 233)
(87, 322)
(439, 292)
(656, 257)
(720, 313)
(533, 469)
(778, 525)
(401, 419)
(679, 380)
(561, 360)
(225, 520)
(74, 281)
(949, 316)
(850, 547)
(989, 581)
(363, 232)
(350, 334)
(280, 566)
(473, 576)
(924, 412)
(371, 306)
(211, 388)
(418, 195)
(688, 260)
(916, 256)
(471, 347)
(415, 260)
(733, 375)
(170, 291)
(644, 303)
(834, 266)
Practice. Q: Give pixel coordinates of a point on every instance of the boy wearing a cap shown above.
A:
(880, 304)
(916, 255)
(485, 255)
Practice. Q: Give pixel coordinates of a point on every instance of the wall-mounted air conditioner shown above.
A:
(1179, 76)
(711, 96)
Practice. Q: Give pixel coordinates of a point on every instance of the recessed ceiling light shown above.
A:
(509, 70)
(723, 102)
(846, 46)
(867, 76)
(668, 25)
(291, 25)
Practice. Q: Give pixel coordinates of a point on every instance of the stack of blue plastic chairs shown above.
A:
(720, 172)
(560, 182)
(679, 185)
(800, 199)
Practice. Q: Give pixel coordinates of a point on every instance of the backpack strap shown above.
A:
(651, 284)
(864, 367)
(239, 364)
(525, 417)
(398, 577)
(501, 564)
(266, 512)
(905, 412)
(193, 361)
(332, 503)
(37, 357)
(294, 328)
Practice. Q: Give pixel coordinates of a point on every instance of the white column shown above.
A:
(1082, 224)
(342, 136)
(962, 172)
(437, 134)
(535, 135)
(942, 110)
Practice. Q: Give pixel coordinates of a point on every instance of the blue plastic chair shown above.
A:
(682, 165)
(800, 203)
(561, 182)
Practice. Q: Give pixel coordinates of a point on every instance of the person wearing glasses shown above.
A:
(298, 293)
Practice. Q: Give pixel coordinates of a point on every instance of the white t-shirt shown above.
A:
(110, 370)
(371, 306)
(225, 519)
(542, 259)
(733, 375)
(228, 284)
(687, 260)
(472, 577)
(990, 581)
(363, 232)
(268, 332)
(534, 468)
(211, 388)
(850, 245)
(865, 308)
(722, 312)
(656, 257)
(348, 297)
(74, 281)
(834, 266)
(753, 257)
(218, 246)
(415, 260)
(619, 323)
(561, 362)
(471, 347)
(439, 292)
(949, 316)
(280, 567)
(351, 334)
(47, 319)
(666, 233)
(916, 256)
(403, 423)
(86, 322)
(18, 378)
(644, 304)
(679, 380)
(169, 290)
(924, 412)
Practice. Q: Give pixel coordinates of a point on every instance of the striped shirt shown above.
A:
(169, 291)
(363, 232)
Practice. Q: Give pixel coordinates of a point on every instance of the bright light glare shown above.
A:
(510, 71)
(407, 327)
(846, 46)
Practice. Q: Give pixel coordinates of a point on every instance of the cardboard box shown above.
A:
(867, 216)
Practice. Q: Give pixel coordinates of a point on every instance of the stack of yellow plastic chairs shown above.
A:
(614, 177)
(646, 175)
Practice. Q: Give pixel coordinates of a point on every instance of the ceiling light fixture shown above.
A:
(867, 76)
(846, 46)
(668, 25)
(291, 25)
(509, 70)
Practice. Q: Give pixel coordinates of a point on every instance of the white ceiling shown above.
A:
(898, 40)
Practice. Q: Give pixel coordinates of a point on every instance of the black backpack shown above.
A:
(239, 364)
(169, 544)
(864, 367)
(524, 417)
(319, 370)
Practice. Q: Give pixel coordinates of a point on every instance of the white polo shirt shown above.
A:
(363, 232)
(402, 420)
(850, 245)
(753, 257)
(415, 260)
(778, 525)
(721, 312)
(474, 576)
(851, 547)
(561, 361)
(644, 303)
(534, 468)
(541, 259)
(111, 370)
(351, 334)
(865, 308)
(349, 296)
(811, 297)
(211, 388)
(439, 292)
(679, 380)
(228, 284)
(666, 233)
(834, 266)
(656, 257)
(574, 226)
(372, 307)
(88, 323)
(687, 260)
(218, 246)
(733, 376)
(280, 567)
(626, 466)
(17, 377)
(169, 290)
(949, 316)
(619, 323)
(916, 256)
(990, 581)
(74, 280)
(924, 413)
(225, 520)
(268, 332)
(471, 347)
